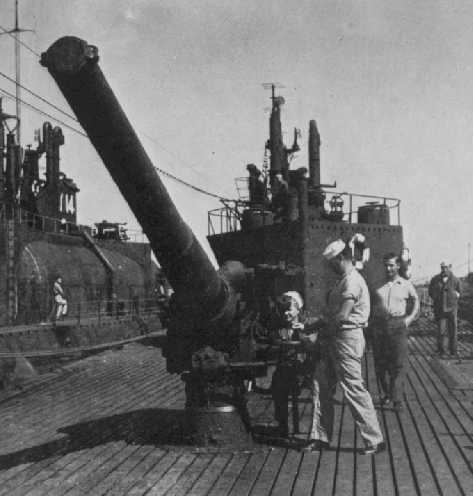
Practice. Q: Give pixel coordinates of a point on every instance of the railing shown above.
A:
(339, 206)
(102, 310)
(351, 202)
(53, 225)
(226, 219)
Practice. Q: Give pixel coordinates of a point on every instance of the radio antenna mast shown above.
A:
(15, 33)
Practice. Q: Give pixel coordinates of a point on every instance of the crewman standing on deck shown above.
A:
(445, 290)
(348, 309)
(59, 309)
(396, 306)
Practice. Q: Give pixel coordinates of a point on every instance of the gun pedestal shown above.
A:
(216, 404)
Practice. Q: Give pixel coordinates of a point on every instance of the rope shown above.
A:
(195, 188)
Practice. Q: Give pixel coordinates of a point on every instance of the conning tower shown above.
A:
(283, 233)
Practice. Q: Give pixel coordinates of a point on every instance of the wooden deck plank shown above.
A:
(267, 476)
(124, 485)
(189, 478)
(421, 469)
(380, 480)
(287, 474)
(81, 475)
(8, 473)
(61, 480)
(446, 445)
(308, 468)
(308, 471)
(439, 471)
(454, 435)
(207, 480)
(59, 410)
(168, 479)
(54, 478)
(38, 484)
(345, 477)
(247, 479)
(102, 402)
(404, 479)
(328, 458)
(87, 484)
(228, 477)
(154, 474)
(456, 408)
(123, 470)
(25, 475)
(114, 407)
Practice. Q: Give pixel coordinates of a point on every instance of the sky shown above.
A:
(389, 84)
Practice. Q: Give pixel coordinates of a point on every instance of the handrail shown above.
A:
(227, 219)
(103, 310)
(52, 224)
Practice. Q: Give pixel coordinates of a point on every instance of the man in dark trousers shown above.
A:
(445, 290)
(396, 304)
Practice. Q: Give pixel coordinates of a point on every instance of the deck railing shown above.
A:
(339, 206)
(54, 225)
(105, 310)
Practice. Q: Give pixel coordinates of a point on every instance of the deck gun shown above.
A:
(203, 333)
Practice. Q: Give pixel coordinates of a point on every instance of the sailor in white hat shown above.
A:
(334, 248)
(348, 308)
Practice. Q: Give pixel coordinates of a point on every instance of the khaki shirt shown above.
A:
(392, 298)
(351, 286)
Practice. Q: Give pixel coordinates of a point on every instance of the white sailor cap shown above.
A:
(295, 296)
(333, 249)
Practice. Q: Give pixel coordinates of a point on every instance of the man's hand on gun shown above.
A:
(309, 334)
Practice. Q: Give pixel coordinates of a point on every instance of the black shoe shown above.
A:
(372, 450)
(316, 445)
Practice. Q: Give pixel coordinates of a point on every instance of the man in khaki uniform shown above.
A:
(343, 348)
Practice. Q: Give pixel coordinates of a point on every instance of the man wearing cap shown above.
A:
(445, 289)
(348, 308)
(396, 306)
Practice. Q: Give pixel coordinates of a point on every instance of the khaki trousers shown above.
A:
(341, 364)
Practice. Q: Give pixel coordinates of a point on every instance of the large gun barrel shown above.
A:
(74, 66)
(202, 292)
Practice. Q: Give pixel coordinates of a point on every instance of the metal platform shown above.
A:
(111, 424)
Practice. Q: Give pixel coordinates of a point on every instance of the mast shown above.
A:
(15, 33)
(17, 75)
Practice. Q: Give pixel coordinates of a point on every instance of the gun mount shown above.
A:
(201, 333)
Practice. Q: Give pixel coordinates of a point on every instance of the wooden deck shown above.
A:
(109, 424)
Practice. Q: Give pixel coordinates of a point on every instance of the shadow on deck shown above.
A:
(113, 424)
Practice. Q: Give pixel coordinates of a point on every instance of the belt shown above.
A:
(349, 327)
